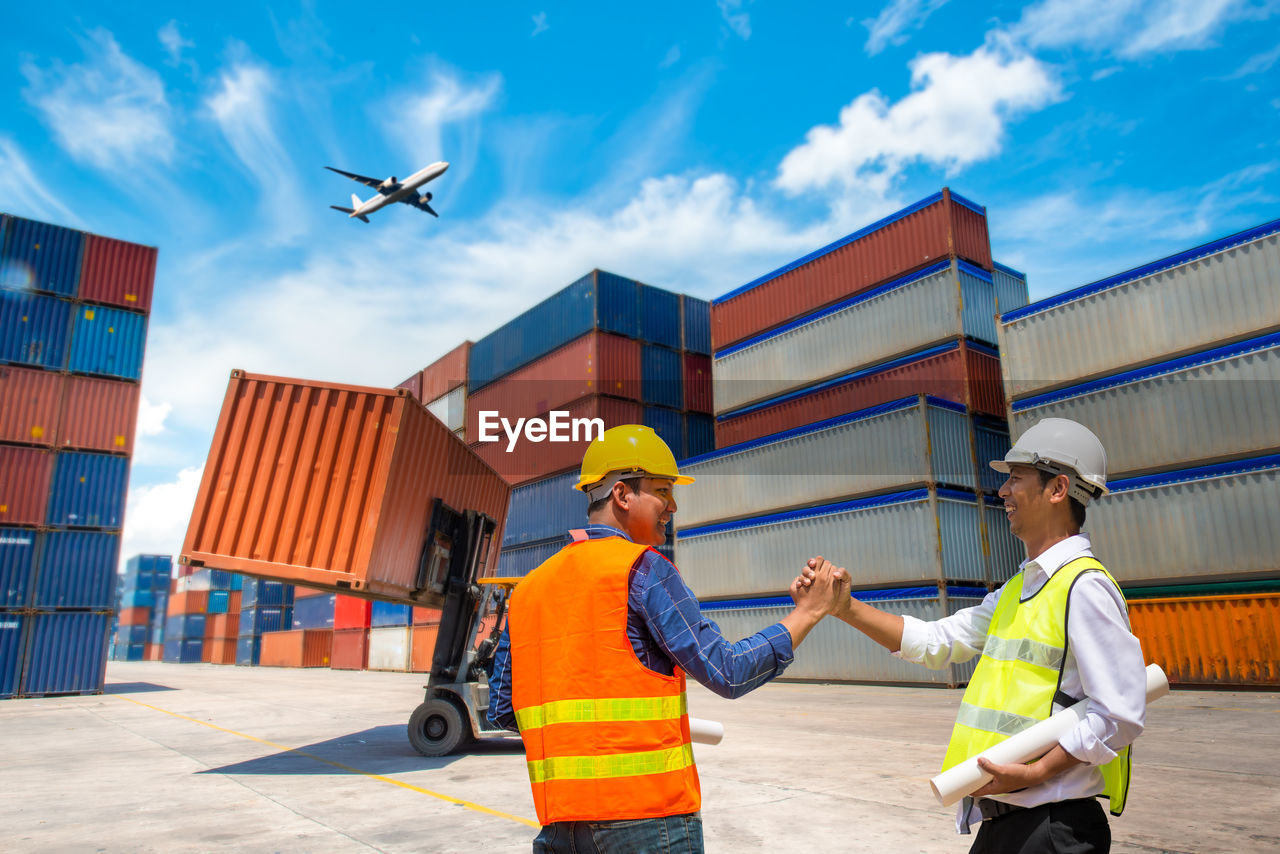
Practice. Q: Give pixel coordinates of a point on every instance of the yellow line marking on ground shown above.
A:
(379, 777)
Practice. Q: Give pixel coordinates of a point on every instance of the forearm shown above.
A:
(882, 627)
(800, 622)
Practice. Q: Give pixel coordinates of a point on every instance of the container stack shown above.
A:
(222, 623)
(442, 388)
(143, 591)
(352, 618)
(857, 400)
(265, 606)
(73, 320)
(391, 637)
(1175, 365)
(308, 642)
(187, 617)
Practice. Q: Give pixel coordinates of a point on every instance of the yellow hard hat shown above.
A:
(628, 448)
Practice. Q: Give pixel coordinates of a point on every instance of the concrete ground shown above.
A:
(206, 758)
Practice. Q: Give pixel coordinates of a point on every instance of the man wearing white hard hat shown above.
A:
(1056, 633)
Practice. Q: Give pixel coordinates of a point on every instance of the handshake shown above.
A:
(822, 589)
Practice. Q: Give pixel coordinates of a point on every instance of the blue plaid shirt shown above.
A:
(666, 628)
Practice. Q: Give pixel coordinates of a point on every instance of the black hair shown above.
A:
(633, 483)
(1077, 509)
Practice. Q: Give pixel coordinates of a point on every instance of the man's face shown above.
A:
(1027, 503)
(649, 509)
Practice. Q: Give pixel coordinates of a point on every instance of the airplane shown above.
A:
(390, 191)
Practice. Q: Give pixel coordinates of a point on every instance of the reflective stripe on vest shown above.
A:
(612, 709)
(615, 765)
(1020, 671)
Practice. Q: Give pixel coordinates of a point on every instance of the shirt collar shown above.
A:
(1052, 559)
(597, 530)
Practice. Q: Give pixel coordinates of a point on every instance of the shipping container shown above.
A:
(390, 648)
(301, 648)
(180, 626)
(29, 403)
(390, 614)
(833, 652)
(332, 486)
(662, 373)
(224, 625)
(99, 415)
(66, 653)
(423, 648)
(219, 602)
(914, 441)
(131, 634)
(184, 650)
(265, 618)
(137, 598)
(153, 652)
(545, 508)
(38, 256)
(220, 650)
(1219, 641)
(155, 569)
(350, 649)
(451, 408)
(351, 613)
(697, 383)
(248, 650)
(77, 569)
(948, 300)
(427, 616)
(696, 321)
(137, 615)
(660, 320)
(34, 329)
(1210, 406)
(17, 567)
(699, 434)
(24, 485)
(413, 385)
(519, 561)
(963, 372)
(1011, 288)
(87, 490)
(118, 273)
(942, 225)
(107, 342)
(905, 538)
(13, 644)
(313, 612)
(1215, 294)
(260, 591)
(669, 425)
(991, 442)
(129, 652)
(446, 373)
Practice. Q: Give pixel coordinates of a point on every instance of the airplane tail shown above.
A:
(350, 211)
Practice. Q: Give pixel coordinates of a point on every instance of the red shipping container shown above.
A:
(413, 385)
(446, 373)
(233, 603)
(908, 240)
(351, 613)
(697, 383)
(139, 616)
(24, 485)
(99, 415)
(220, 650)
(153, 652)
(331, 486)
(29, 404)
(595, 363)
(298, 648)
(423, 647)
(350, 649)
(118, 273)
(188, 602)
(960, 373)
(530, 460)
(426, 616)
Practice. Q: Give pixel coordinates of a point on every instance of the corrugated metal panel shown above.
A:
(1222, 291)
(446, 373)
(118, 273)
(949, 300)
(77, 569)
(13, 637)
(915, 237)
(29, 403)
(1006, 552)
(1213, 405)
(424, 647)
(41, 257)
(313, 612)
(219, 602)
(389, 648)
(916, 440)
(663, 376)
(259, 591)
(350, 649)
(669, 425)
(351, 613)
(413, 385)
(699, 434)
(184, 650)
(660, 317)
(298, 648)
(696, 319)
(331, 486)
(24, 485)
(521, 560)
(265, 618)
(991, 442)
(697, 383)
(390, 614)
(17, 567)
(1212, 640)
(834, 652)
(108, 342)
(99, 415)
(248, 649)
(88, 490)
(1011, 288)
(451, 408)
(66, 653)
(34, 329)
(545, 508)
(1216, 522)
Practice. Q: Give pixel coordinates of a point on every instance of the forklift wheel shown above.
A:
(436, 728)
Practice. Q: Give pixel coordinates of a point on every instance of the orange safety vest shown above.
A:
(605, 737)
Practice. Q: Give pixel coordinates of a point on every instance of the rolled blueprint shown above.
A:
(956, 782)
(705, 732)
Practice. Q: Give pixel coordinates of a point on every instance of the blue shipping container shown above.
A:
(219, 602)
(181, 626)
(524, 559)
(259, 592)
(108, 342)
(699, 434)
(219, 579)
(696, 319)
(660, 316)
(137, 599)
(66, 653)
(313, 612)
(131, 634)
(668, 424)
(390, 614)
(184, 651)
(13, 635)
(248, 650)
(17, 566)
(88, 490)
(33, 329)
(545, 508)
(265, 618)
(41, 257)
(129, 652)
(661, 377)
(77, 569)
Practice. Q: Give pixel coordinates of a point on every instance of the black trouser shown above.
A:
(1065, 827)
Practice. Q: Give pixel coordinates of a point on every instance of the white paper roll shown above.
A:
(705, 732)
(956, 782)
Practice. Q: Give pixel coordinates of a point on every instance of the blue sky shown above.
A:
(693, 146)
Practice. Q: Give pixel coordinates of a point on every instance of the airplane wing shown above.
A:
(375, 183)
(421, 204)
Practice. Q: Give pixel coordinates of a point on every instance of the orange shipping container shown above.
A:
(29, 402)
(350, 649)
(99, 415)
(188, 602)
(299, 648)
(426, 616)
(1212, 640)
(153, 652)
(233, 603)
(331, 486)
(446, 373)
(220, 650)
(139, 616)
(221, 626)
(424, 647)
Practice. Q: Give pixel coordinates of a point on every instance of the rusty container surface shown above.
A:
(117, 272)
(446, 373)
(331, 486)
(99, 415)
(25, 475)
(350, 649)
(351, 613)
(188, 602)
(697, 383)
(942, 224)
(29, 404)
(595, 363)
(1212, 640)
(423, 647)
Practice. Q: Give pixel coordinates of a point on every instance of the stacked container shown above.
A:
(142, 592)
(73, 319)
(442, 387)
(352, 619)
(265, 606)
(1175, 365)
(307, 640)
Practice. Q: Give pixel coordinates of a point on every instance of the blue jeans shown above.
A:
(673, 834)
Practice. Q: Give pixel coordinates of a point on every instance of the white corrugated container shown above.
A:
(836, 652)
(451, 408)
(916, 440)
(1209, 406)
(1211, 523)
(390, 648)
(943, 302)
(1011, 288)
(1007, 551)
(915, 537)
(1220, 292)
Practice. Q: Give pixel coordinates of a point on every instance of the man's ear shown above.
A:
(1060, 488)
(622, 495)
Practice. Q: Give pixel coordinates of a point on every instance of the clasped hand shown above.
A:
(822, 586)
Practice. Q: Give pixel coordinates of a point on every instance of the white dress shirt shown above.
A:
(1103, 663)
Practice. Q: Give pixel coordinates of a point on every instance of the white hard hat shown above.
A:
(1061, 446)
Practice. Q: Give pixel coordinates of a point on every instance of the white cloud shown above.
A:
(672, 57)
(893, 22)
(1256, 64)
(24, 192)
(539, 24)
(151, 417)
(171, 37)
(1104, 73)
(1130, 28)
(739, 22)
(110, 111)
(442, 122)
(156, 516)
(955, 115)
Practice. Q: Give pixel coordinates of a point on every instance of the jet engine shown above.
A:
(388, 184)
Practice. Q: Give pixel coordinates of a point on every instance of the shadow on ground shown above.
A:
(134, 688)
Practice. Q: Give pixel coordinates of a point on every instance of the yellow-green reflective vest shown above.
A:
(1019, 675)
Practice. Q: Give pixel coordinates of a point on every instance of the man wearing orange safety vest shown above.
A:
(591, 669)
(1056, 633)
